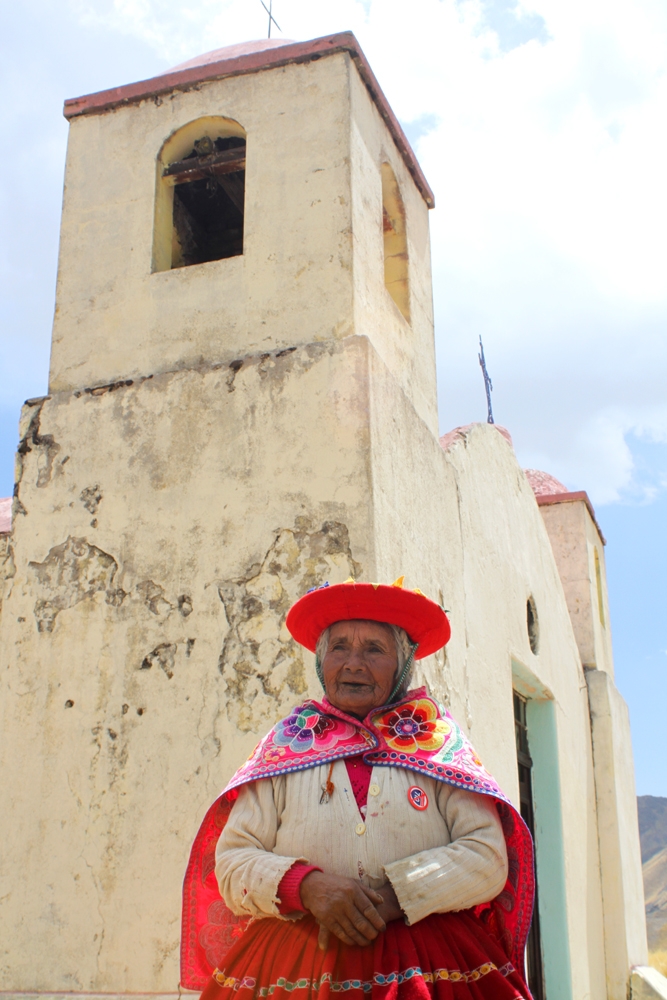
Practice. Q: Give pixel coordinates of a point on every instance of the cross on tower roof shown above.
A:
(269, 11)
(488, 384)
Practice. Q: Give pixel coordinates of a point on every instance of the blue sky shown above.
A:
(540, 125)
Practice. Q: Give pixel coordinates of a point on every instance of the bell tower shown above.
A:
(241, 404)
(263, 200)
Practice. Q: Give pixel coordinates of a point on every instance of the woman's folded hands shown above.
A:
(348, 909)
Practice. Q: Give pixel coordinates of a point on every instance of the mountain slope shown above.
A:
(653, 837)
(652, 824)
(655, 892)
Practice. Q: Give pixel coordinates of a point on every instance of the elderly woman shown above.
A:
(362, 848)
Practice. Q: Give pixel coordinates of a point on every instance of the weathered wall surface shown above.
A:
(507, 560)
(163, 529)
(159, 569)
(620, 855)
(408, 350)
(151, 582)
(7, 567)
(487, 551)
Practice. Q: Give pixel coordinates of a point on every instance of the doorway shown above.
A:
(534, 963)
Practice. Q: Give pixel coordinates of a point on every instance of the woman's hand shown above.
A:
(344, 907)
(389, 909)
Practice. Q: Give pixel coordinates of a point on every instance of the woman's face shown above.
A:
(359, 666)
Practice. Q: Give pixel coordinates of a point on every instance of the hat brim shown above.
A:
(424, 620)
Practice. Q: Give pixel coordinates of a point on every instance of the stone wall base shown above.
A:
(647, 984)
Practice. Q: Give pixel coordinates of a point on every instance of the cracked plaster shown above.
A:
(262, 666)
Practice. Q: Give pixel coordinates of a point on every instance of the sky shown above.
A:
(540, 126)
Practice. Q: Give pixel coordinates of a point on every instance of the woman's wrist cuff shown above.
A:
(289, 890)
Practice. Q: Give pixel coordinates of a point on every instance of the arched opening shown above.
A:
(395, 242)
(200, 198)
(598, 583)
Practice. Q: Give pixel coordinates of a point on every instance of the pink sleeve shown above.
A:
(290, 884)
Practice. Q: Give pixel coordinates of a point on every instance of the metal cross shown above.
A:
(269, 11)
(488, 384)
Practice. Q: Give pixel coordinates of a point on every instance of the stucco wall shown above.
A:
(164, 529)
(620, 856)
(505, 558)
(575, 540)
(407, 349)
(7, 568)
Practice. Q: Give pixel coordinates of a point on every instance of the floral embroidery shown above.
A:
(366, 986)
(305, 729)
(413, 727)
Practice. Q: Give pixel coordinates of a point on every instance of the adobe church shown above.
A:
(242, 405)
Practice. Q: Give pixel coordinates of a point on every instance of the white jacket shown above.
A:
(449, 856)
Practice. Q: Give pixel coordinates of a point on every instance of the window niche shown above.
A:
(532, 626)
(598, 585)
(200, 201)
(395, 241)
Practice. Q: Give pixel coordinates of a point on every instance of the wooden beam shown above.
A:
(234, 188)
(229, 161)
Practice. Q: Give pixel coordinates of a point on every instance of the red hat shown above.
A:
(424, 620)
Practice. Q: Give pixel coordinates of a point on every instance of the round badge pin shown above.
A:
(417, 798)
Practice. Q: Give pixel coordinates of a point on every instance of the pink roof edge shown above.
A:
(253, 62)
(581, 495)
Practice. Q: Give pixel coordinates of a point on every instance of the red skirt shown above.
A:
(446, 956)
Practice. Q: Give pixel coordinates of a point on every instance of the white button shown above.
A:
(360, 829)
(374, 790)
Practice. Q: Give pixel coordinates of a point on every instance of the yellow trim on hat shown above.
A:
(398, 582)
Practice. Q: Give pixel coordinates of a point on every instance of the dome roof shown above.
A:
(230, 52)
(543, 484)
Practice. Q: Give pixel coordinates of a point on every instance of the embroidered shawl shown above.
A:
(415, 733)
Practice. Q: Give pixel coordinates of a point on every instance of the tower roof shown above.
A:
(231, 52)
(237, 60)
